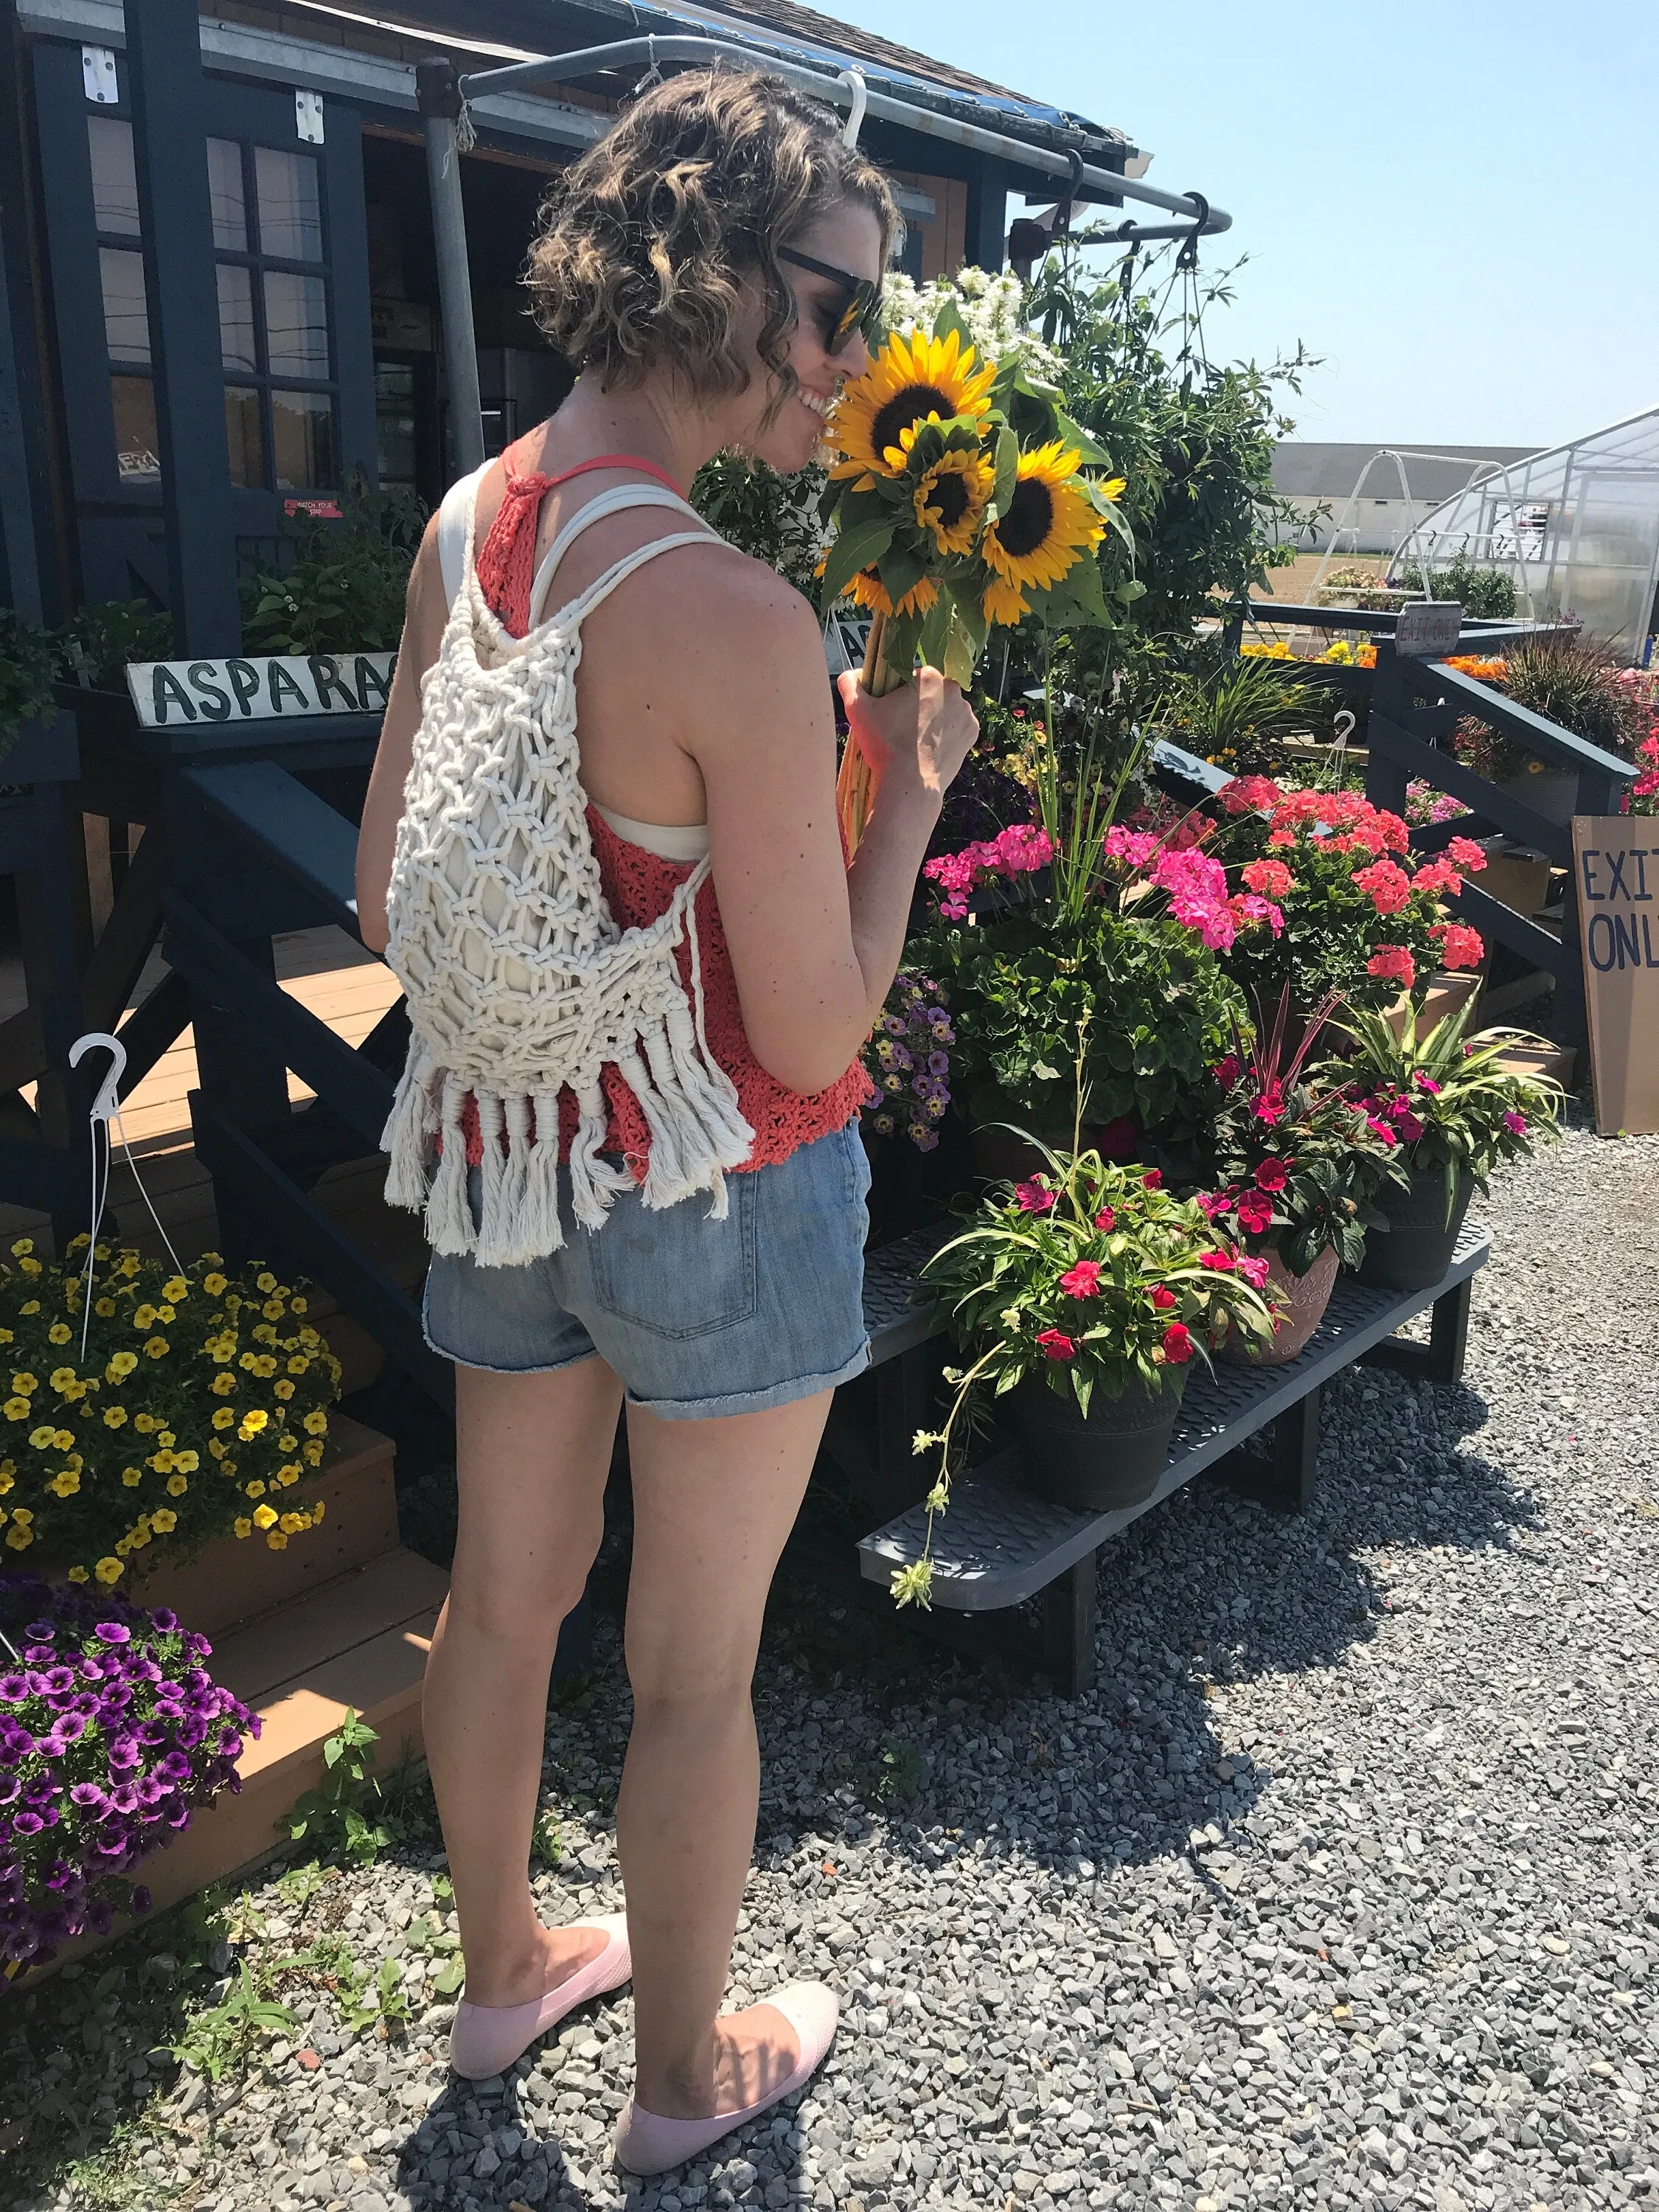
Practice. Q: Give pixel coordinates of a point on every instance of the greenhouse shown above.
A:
(1577, 525)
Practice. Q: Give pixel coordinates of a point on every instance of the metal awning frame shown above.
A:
(444, 96)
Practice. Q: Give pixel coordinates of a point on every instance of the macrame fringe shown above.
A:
(543, 1230)
(405, 1136)
(448, 1217)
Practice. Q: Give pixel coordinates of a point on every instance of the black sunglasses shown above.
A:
(860, 310)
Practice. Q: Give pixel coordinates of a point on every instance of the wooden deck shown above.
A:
(348, 990)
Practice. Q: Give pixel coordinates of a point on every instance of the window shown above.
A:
(126, 305)
(275, 338)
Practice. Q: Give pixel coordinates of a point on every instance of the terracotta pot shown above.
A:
(1414, 1252)
(1113, 1458)
(1307, 1295)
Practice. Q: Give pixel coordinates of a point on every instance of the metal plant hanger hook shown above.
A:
(854, 80)
(653, 69)
(104, 1112)
(1187, 260)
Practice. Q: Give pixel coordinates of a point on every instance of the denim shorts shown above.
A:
(699, 1318)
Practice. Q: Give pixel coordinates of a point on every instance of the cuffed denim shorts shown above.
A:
(699, 1318)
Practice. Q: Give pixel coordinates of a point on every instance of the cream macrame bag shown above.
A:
(518, 982)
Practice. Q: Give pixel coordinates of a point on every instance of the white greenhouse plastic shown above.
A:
(1577, 527)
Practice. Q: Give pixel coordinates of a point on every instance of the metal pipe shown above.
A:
(627, 52)
(439, 96)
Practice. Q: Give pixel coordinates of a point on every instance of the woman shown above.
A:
(708, 268)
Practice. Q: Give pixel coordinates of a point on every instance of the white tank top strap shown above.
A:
(455, 530)
(616, 501)
(576, 611)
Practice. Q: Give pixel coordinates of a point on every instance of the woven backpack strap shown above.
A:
(616, 501)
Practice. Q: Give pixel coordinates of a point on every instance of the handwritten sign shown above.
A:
(1428, 629)
(171, 693)
(1616, 862)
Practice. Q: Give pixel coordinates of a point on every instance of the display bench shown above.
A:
(1001, 1554)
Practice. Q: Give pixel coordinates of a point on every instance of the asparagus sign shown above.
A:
(169, 693)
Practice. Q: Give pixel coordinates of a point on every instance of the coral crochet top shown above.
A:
(639, 887)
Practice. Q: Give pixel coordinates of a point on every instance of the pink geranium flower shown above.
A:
(1393, 961)
(1271, 878)
(1387, 884)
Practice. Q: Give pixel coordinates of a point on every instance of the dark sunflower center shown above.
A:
(949, 498)
(915, 404)
(1027, 523)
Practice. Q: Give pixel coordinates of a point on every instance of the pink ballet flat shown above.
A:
(647, 2142)
(486, 2038)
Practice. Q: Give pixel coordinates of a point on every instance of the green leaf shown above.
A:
(1007, 460)
(448, 1978)
(949, 318)
(853, 549)
(1095, 455)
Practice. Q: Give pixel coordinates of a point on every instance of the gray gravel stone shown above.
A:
(1342, 1889)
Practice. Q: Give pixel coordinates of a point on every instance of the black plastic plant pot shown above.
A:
(1414, 1252)
(1113, 1458)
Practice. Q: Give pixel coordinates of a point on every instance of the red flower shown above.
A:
(1221, 1261)
(1082, 1281)
(1177, 1344)
(1034, 1197)
(1225, 1071)
(1054, 1346)
(1465, 854)
(1271, 878)
(1395, 961)
(1153, 1179)
(1460, 946)
(1164, 1297)
(1273, 1174)
(1256, 1213)
(1105, 1220)
(1387, 882)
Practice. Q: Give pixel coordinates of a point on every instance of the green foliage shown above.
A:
(345, 589)
(771, 518)
(1160, 1012)
(1194, 441)
(228, 2036)
(1488, 594)
(332, 1818)
(1233, 711)
(95, 645)
(1452, 1104)
(28, 664)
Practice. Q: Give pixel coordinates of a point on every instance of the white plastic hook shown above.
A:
(854, 80)
(107, 1104)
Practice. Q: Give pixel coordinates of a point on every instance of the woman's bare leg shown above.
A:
(532, 1452)
(714, 1504)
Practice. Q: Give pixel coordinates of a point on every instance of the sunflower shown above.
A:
(950, 500)
(1004, 603)
(1048, 525)
(868, 591)
(911, 379)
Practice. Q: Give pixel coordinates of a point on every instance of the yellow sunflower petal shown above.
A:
(1050, 524)
(912, 376)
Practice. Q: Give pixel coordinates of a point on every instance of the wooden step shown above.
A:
(233, 1580)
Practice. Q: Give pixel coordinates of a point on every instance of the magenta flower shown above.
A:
(1034, 1197)
(1515, 1124)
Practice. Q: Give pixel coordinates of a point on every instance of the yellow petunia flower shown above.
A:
(214, 1284)
(132, 1476)
(64, 1438)
(22, 1248)
(15, 1409)
(30, 1306)
(121, 1366)
(312, 1454)
(242, 1527)
(265, 1282)
(59, 1333)
(299, 1364)
(157, 1347)
(115, 1417)
(176, 1485)
(222, 1385)
(103, 1308)
(145, 1424)
(316, 1422)
(285, 1476)
(300, 1305)
(19, 1538)
(292, 1523)
(254, 1490)
(164, 1519)
(64, 1483)
(109, 1571)
(161, 1461)
(215, 1448)
(24, 1383)
(284, 1390)
(273, 1310)
(186, 1461)
(77, 1575)
(42, 1437)
(144, 1317)
(253, 1421)
(6, 1477)
(263, 1517)
(277, 1541)
(176, 1289)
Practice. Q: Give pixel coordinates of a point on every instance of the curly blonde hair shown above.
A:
(645, 243)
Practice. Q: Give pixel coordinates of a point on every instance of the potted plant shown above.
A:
(1358, 915)
(1085, 1293)
(113, 1733)
(1294, 1166)
(185, 1406)
(1450, 1111)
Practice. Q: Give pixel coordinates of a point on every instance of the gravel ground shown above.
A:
(1340, 1889)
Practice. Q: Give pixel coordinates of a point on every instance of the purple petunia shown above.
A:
(114, 1631)
(14, 1688)
(89, 1795)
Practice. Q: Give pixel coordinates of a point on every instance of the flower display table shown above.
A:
(1000, 1544)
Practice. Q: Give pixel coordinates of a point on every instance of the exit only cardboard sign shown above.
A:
(1616, 860)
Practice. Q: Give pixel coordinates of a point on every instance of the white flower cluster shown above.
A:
(990, 308)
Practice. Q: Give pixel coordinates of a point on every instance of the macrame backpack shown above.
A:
(518, 982)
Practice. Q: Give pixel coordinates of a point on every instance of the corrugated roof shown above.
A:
(1305, 469)
(808, 26)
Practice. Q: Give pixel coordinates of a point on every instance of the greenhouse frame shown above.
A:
(1577, 527)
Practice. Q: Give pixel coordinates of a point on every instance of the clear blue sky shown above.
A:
(1382, 169)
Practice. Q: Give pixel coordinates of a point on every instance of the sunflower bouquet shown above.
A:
(197, 1408)
(959, 501)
